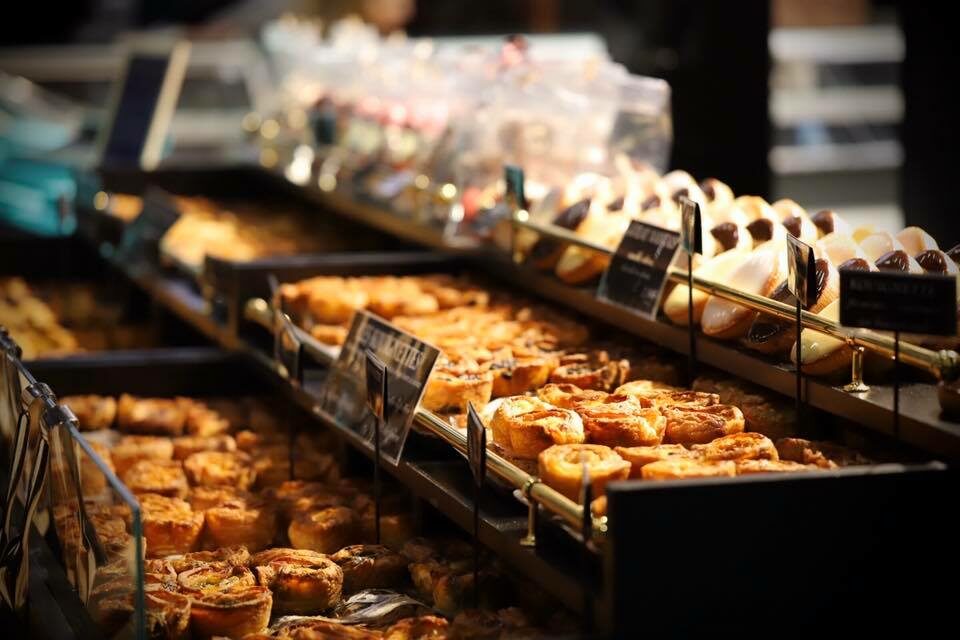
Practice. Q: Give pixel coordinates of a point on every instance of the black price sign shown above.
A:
(140, 243)
(638, 270)
(407, 361)
(802, 271)
(476, 445)
(515, 194)
(890, 301)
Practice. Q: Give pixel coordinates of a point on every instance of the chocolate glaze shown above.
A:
(682, 192)
(616, 205)
(854, 264)
(766, 327)
(824, 220)
(954, 254)
(727, 234)
(707, 187)
(570, 218)
(793, 224)
(933, 260)
(761, 229)
(896, 260)
(651, 202)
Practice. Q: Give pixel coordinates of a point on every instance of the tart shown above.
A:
(231, 613)
(302, 581)
(325, 530)
(93, 412)
(220, 468)
(162, 477)
(561, 468)
(252, 524)
(153, 416)
(224, 556)
(699, 425)
(170, 526)
(621, 421)
(131, 449)
(370, 566)
(825, 455)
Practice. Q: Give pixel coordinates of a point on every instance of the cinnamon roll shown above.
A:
(131, 449)
(170, 526)
(93, 412)
(252, 524)
(220, 468)
(232, 613)
(738, 446)
(595, 370)
(185, 446)
(153, 416)
(561, 468)
(162, 477)
(699, 425)
(621, 421)
(638, 457)
(302, 581)
(326, 530)
(679, 468)
(370, 566)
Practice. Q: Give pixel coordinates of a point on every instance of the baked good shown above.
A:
(302, 581)
(593, 370)
(185, 446)
(170, 526)
(689, 399)
(643, 390)
(679, 468)
(638, 457)
(214, 575)
(561, 468)
(699, 425)
(915, 240)
(233, 556)
(162, 477)
(936, 261)
(478, 624)
(210, 418)
(250, 523)
(578, 265)
(738, 446)
(153, 416)
(396, 525)
(452, 385)
(92, 479)
(232, 613)
(525, 426)
(131, 449)
(220, 468)
(319, 629)
(758, 274)
(839, 248)
(422, 628)
(821, 354)
(716, 269)
(514, 375)
(898, 260)
(827, 221)
(167, 614)
(545, 252)
(325, 530)
(567, 396)
(750, 467)
(763, 411)
(825, 455)
(370, 566)
(297, 496)
(203, 498)
(93, 412)
(620, 421)
(454, 590)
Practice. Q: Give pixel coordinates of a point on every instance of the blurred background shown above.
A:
(834, 103)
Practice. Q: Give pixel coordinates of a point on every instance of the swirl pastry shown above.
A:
(525, 433)
(718, 269)
(93, 412)
(593, 370)
(452, 385)
(516, 375)
(131, 449)
(162, 477)
(738, 446)
(185, 446)
(326, 530)
(749, 467)
(302, 581)
(232, 613)
(561, 467)
(154, 416)
(370, 566)
(567, 396)
(252, 524)
(621, 421)
(507, 411)
(699, 425)
(638, 457)
(422, 628)
(220, 468)
(758, 274)
(679, 468)
(170, 526)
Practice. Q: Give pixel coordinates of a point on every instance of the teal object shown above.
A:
(34, 196)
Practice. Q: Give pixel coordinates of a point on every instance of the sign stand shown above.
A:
(692, 243)
(586, 532)
(477, 457)
(802, 283)
(376, 400)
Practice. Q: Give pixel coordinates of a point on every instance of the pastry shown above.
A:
(825, 455)
(92, 479)
(454, 590)
(683, 398)
(821, 354)
(220, 468)
(915, 240)
(738, 446)
(214, 575)
(716, 269)
(303, 582)
(525, 435)
(621, 421)
(561, 468)
(207, 418)
(131, 449)
(477, 624)
(452, 385)
(396, 526)
(170, 526)
(516, 375)
(594, 370)
(508, 409)
(422, 628)
(93, 412)
(718, 195)
(229, 556)
(796, 221)
(638, 457)
(185, 446)
(566, 395)
(250, 523)
(325, 530)
(296, 496)
(679, 468)
(318, 628)
(370, 566)
(232, 613)
(271, 465)
(203, 498)
(749, 467)
(763, 412)
(839, 248)
(954, 254)
(758, 274)
(578, 265)
(689, 426)
(162, 477)
(154, 416)
(167, 614)
(545, 252)
(643, 390)
(876, 244)
(827, 221)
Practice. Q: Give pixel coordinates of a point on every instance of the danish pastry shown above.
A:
(749, 467)
(679, 468)
(302, 581)
(738, 446)
(451, 386)
(516, 375)
(167, 613)
(252, 524)
(699, 425)
(170, 526)
(185, 446)
(154, 416)
(220, 468)
(162, 477)
(825, 455)
(93, 412)
(206, 418)
(567, 396)
(326, 530)
(638, 457)
(524, 434)
(231, 613)
(214, 575)
(593, 370)
(561, 467)
(231, 556)
(132, 449)
(203, 498)
(370, 566)
(621, 421)
(422, 628)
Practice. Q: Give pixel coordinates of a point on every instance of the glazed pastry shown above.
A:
(370, 566)
(451, 386)
(516, 375)
(220, 468)
(252, 524)
(594, 370)
(915, 240)
(738, 446)
(326, 530)
(203, 498)
(759, 274)
(567, 396)
(232, 613)
(162, 477)
(561, 468)
(822, 354)
(936, 261)
(578, 265)
(680, 468)
(621, 421)
(774, 336)
(154, 416)
(303, 582)
(898, 260)
(185, 446)
(857, 264)
(422, 628)
(716, 269)
(638, 457)
(93, 412)
(132, 449)
(825, 455)
(689, 426)
(546, 252)
(730, 236)
(762, 465)
(170, 526)
(764, 230)
(827, 221)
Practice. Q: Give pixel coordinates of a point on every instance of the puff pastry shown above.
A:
(153, 416)
(679, 468)
(170, 526)
(302, 581)
(231, 613)
(621, 421)
(162, 477)
(370, 566)
(220, 468)
(638, 457)
(738, 446)
(326, 530)
(689, 426)
(561, 467)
